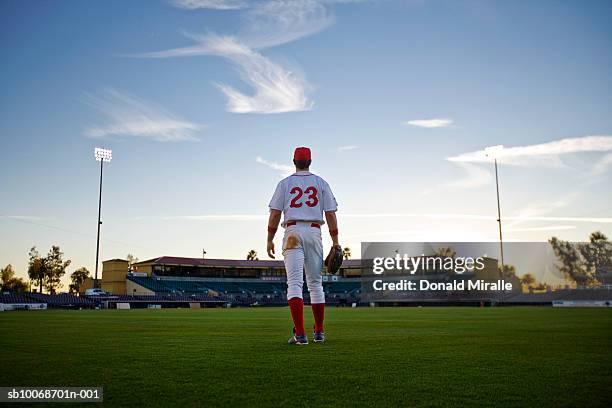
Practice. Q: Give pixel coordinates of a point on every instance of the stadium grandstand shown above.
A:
(241, 282)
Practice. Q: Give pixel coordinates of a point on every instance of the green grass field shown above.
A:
(373, 357)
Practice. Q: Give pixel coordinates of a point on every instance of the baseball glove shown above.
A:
(333, 262)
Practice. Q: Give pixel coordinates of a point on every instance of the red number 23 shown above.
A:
(311, 193)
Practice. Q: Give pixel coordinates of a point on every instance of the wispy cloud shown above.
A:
(345, 148)
(602, 220)
(475, 176)
(209, 4)
(452, 216)
(276, 89)
(544, 228)
(539, 154)
(284, 169)
(547, 154)
(430, 123)
(217, 217)
(535, 209)
(602, 166)
(21, 217)
(267, 24)
(276, 22)
(129, 116)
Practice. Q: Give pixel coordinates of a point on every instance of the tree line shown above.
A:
(585, 262)
(44, 272)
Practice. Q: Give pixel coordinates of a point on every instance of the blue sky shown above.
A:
(203, 102)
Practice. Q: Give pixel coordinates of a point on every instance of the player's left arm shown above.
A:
(330, 206)
(273, 221)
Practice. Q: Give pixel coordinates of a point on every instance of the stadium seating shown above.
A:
(245, 291)
(15, 298)
(341, 287)
(61, 300)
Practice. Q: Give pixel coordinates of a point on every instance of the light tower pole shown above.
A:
(494, 151)
(101, 155)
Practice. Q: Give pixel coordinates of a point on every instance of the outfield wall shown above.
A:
(22, 306)
(582, 303)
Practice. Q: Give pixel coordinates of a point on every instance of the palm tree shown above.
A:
(597, 236)
(252, 255)
(528, 279)
(446, 252)
(346, 253)
(131, 261)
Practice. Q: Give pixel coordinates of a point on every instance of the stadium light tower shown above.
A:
(101, 155)
(494, 152)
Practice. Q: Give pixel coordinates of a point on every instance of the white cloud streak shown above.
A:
(217, 217)
(276, 22)
(476, 176)
(129, 116)
(602, 166)
(541, 208)
(543, 154)
(21, 217)
(276, 90)
(436, 216)
(345, 148)
(430, 123)
(268, 24)
(284, 169)
(544, 228)
(209, 4)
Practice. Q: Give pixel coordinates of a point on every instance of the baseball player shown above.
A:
(304, 198)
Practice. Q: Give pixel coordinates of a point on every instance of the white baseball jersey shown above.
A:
(303, 196)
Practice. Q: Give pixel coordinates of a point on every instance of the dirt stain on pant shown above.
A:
(292, 242)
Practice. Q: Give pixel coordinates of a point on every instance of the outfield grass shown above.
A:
(373, 357)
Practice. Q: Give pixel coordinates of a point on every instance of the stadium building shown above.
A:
(244, 282)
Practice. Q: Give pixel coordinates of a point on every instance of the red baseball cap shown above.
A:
(301, 153)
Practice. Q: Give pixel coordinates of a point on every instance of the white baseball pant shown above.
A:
(303, 252)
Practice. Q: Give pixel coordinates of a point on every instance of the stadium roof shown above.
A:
(175, 260)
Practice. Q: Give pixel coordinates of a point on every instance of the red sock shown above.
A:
(296, 305)
(318, 311)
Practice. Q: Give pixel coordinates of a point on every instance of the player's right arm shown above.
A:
(276, 207)
(273, 221)
(332, 223)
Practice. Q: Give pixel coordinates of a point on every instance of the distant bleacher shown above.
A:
(61, 300)
(15, 298)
